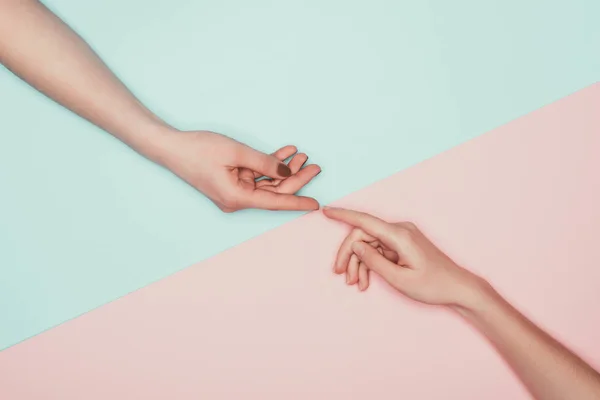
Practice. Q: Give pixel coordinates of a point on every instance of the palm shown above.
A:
(253, 182)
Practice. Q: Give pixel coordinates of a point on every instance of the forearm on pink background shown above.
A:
(547, 368)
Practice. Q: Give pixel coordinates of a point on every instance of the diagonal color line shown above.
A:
(268, 320)
(368, 89)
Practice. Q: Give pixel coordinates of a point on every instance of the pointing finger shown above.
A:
(372, 225)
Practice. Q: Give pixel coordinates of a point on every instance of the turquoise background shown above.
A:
(366, 88)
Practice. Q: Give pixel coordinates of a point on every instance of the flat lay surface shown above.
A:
(268, 319)
(366, 89)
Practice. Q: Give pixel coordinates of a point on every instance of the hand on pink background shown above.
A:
(413, 265)
(402, 256)
(226, 171)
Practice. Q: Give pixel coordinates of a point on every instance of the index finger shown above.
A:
(368, 223)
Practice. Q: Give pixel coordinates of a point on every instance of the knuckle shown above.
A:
(410, 226)
(357, 233)
(403, 235)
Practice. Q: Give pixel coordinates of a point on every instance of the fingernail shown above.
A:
(284, 170)
(347, 278)
(358, 249)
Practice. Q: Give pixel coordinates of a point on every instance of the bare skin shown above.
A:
(403, 256)
(41, 49)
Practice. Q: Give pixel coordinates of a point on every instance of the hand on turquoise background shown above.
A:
(221, 168)
(226, 171)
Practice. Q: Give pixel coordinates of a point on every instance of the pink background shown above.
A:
(269, 320)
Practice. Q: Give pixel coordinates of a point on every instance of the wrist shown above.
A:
(154, 143)
(478, 297)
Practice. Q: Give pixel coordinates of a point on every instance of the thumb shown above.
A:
(375, 261)
(265, 164)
